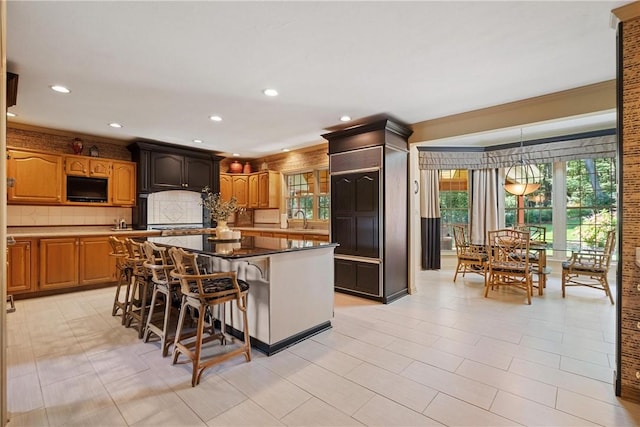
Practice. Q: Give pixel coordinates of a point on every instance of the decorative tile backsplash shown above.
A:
(18, 215)
(174, 207)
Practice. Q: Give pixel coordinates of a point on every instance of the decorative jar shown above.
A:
(235, 167)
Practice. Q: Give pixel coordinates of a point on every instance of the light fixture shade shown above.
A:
(521, 179)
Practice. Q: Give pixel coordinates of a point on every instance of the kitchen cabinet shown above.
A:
(177, 172)
(240, 189)
(255, 190)
(34, 178)
(87, 166)
(123, 184)
(68, 262)
(21, 266)
(369, 200)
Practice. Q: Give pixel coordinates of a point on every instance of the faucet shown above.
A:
(304, 218)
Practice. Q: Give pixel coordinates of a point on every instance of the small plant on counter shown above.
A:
(218, 209)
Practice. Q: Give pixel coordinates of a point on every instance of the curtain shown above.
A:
(484, 204)
(430, 219)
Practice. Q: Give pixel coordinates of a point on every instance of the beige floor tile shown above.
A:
(393, 386)
(20, 361)
(463, 388)
(284, 363)
(525, 353)
(171, 416)
(512, 383)
(72, 362)
(37, 417)
(591, 370)
(112, 365)
(488, 356)
(315, 412)
(596, 411)
(365, 332)
(383, 412)
(24, 394)
(321, 355)
(333, 389)
(430, 355)
(454, 412)
(212, 397)
(245, 414)
(562, 349)
(531, 413)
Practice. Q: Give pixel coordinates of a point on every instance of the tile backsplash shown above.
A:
(174, 207)
(20, 215)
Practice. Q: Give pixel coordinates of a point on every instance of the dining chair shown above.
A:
(590, 267)
(123, 269)
(202, 292)
(471, 258)
(165, 287)
(537, 253)
(508, 264)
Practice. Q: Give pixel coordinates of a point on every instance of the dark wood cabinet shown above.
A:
(162, 167)
(369, 200)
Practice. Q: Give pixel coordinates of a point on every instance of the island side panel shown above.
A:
(301, 291)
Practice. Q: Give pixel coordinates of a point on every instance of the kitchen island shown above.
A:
(291, 285)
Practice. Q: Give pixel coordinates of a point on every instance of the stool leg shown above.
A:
(165, 326)
(143, 307)
(147, 329)
(183, 312)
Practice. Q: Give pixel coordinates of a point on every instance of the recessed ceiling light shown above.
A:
(10, 114)
(236, 154)
(270, 92)
(199, 141)
(215, 118)
(115, 125)
(60, 89)
(285, 150)
(345, 118)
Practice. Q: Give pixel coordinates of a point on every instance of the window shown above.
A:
(591, 202)
(308, 195)
(535, 208)
(454, 201)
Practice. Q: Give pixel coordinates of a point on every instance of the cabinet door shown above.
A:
(96, 266)
(76, 165)
(167, 171)
(123, 184)
(38, 177)
(21, 267)
(99, 168)
(269, 190)
(254, 193)
(226, 186)
(198, 173)
(241, 190)
(58, 263)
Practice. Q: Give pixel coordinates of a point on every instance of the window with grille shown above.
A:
(308, 195)
(454, 201)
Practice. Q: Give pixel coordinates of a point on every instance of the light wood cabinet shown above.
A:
(226, 186)
(269, 189)
(36, 177)
(21, 267)
(87, 166)
(71, 261)
(123, 184)
(256, 190)
(254, 196)
(240, 186)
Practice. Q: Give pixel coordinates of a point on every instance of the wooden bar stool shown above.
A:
(158, 262)
(123, 267)
(139, 296)
(202, 292)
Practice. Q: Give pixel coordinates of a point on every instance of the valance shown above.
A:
(601, 144)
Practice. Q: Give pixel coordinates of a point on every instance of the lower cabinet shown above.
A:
(70, 261)
(360, 277)
(21, 267)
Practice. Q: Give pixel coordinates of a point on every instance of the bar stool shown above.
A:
(159, 264)
(123, 267)
(202, 292)
(139, 295)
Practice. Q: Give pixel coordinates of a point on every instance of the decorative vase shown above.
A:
(247, 168)
(235, 167)
(76, 146)
(220, 227)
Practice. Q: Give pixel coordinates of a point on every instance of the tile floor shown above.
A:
(444, 356)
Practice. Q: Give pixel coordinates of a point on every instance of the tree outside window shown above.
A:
(308, 195)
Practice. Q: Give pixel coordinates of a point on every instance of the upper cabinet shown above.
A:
(87, 166)
(167, 167)
(123, 184)
(255, 190)
(34, 177)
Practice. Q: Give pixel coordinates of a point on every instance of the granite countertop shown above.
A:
(248, 246)
(68, 231)
(317, 231)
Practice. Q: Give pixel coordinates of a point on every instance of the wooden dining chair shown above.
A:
(537, 254)
(508, 264)
(471, 258)
(201, 292)
(590, 268)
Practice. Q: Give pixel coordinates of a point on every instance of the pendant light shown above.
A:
(520, 178)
